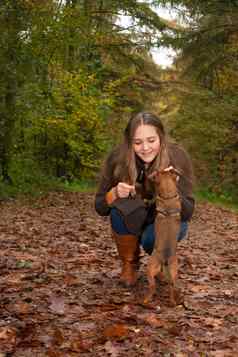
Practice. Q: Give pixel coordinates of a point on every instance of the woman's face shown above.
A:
(146, 143)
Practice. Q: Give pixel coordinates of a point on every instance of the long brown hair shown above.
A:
(125, 168)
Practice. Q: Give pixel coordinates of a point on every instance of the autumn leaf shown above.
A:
(57, 305)
(152, 319)
(116, 331)
(7, 334)
(112, 350)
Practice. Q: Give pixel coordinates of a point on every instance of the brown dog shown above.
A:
(167, 225)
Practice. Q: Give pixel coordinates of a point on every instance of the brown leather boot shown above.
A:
(128, 251)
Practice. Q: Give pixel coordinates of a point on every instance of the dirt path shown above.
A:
(60, 294)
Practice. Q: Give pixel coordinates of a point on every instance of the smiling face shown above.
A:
(146, 142)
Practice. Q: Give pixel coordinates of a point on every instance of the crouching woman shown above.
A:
(127, 194)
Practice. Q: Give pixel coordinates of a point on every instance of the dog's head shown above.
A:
(165, 180)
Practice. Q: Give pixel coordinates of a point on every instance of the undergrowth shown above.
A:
(227, 199)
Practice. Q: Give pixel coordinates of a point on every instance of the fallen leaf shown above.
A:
(213, 322)
(57, 338)
(111, 349)
(21, 264)
(8, 334)
(78, 344)
(174, 330)
(22, 308)
(152, 319)
(222, 353)
(57, 305)
(52, 352)
(71, 280)
(116, 331)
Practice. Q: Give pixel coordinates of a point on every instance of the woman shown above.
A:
(127, 194)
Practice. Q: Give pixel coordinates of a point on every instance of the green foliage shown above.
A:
(81, 75)
(80, 116)
(225, 198)
(79, 186)
(206, 121)
(205, 124)
(71, 75)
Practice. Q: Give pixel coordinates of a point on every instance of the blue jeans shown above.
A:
(147, 238)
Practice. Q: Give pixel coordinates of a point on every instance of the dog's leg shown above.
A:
(154, 267)
(173, 274)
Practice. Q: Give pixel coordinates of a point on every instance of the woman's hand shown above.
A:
(123, 190)
(171, 168)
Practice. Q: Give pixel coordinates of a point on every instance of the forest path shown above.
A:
(60, 294)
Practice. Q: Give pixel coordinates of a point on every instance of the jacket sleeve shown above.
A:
(102, 206)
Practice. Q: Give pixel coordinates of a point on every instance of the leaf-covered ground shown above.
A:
(60, 294)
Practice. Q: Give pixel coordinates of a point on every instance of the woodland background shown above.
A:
(71, 75)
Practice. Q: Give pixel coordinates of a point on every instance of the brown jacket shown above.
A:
(178, 159)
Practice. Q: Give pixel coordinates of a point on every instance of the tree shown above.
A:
(73, 60)
(208, 66)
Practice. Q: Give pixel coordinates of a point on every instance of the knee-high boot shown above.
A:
(128, 251)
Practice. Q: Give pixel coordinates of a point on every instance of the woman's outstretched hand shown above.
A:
(171, 168)
(123, 190)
